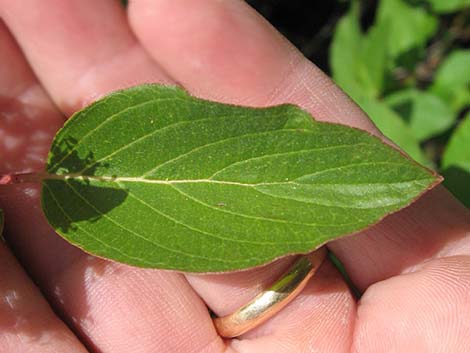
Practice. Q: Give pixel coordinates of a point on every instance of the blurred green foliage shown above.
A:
(408, 71)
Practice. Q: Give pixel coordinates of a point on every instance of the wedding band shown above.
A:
(269, 302)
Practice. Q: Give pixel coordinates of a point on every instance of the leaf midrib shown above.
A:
(111, 179)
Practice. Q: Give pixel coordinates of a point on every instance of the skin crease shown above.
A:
(414, 267)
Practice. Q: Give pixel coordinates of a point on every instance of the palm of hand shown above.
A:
(414, 267)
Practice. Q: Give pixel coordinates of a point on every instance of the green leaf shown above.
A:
(426, 114)
(456, 162)
(154, 177)
(409, 27)
(374, 57)
(448, 6)
(345, 52)
(452, 80)
(358, 61)
(392, 126)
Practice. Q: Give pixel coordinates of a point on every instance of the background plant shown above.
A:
(405, 62)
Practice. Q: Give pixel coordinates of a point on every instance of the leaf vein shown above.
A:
(196, 229)
(150, 134)
(231, 138)
(195, 199)
(54, 199)
(286, 153)
(345, 166)
(104, 122)
(138, 234)
(214, 143)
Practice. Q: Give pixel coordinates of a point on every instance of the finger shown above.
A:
(424, 311)
(27, 323)
(117, 308)
(224, 50)
(114, 308)
(82, 50)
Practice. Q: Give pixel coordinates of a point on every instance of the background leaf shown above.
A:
(359, 60)
(374, 58)
(388, 70)
(456, 162)
(426, 114)
(154, 177)
(447, 6)
(345, 53)
(452, 80)
(409, 27)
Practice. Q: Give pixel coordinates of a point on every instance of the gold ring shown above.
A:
(272, 300)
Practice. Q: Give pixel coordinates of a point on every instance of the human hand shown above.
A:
(414, 267)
